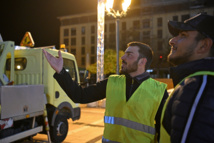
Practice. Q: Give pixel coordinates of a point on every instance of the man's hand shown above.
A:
(55, 63)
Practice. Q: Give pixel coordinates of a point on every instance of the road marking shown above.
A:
(85, 127)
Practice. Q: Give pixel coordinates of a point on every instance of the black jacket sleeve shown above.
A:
(77, 93)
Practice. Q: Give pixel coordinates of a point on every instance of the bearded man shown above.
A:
(133, 100)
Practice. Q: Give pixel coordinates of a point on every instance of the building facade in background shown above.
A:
(145, 22)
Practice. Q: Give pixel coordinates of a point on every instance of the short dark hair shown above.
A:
(145, 51)
(201, 37)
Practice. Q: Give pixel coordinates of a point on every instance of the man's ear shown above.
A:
(142, 61)
(205, 46)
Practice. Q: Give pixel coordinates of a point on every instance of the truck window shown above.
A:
(20, 64)
(69, 66)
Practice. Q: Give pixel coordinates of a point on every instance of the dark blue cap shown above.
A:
(202, 23)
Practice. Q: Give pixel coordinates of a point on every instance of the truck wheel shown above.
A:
(59, 131)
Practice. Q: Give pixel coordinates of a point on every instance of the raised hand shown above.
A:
(55, 63)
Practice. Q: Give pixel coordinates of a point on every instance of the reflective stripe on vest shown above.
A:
(108, 141)
(193, 109)
(129, 124)
(165, 137)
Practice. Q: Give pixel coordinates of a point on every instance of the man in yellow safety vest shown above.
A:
(133, 99)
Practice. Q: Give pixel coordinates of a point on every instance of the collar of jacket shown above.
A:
(139, 78)
(181, 71)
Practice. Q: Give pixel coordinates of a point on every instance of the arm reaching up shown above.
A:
(55, 63)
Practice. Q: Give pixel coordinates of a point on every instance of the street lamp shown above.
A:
(117, 15)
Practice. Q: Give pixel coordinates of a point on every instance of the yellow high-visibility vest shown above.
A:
(131, 121)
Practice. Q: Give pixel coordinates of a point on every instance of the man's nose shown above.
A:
(172, 41)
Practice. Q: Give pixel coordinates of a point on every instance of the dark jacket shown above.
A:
(98, 91)
(181, 113)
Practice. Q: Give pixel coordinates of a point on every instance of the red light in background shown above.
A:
(161, 57)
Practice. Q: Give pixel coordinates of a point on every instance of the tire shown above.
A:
(59, 131)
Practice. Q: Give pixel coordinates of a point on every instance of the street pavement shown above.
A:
(88, 129)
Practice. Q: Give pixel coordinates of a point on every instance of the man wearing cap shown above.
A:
(188, 114)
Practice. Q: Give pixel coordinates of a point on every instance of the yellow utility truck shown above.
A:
(28, 92)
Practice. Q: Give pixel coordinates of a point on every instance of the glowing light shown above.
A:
(126, 5)
(18, 67)
(67, 70)
(109, 5)
(117, 13)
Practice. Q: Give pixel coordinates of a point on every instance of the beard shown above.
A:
(180, 59)
(130, 68)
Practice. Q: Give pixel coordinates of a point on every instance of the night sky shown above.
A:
(38, 17)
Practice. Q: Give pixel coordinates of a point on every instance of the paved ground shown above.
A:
(89, 129)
